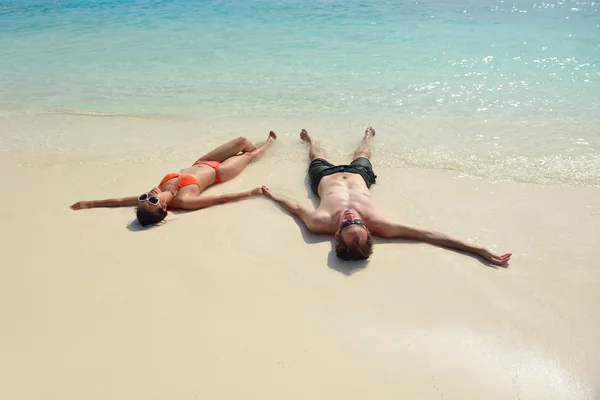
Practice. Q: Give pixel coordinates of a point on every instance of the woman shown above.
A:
(182, 190)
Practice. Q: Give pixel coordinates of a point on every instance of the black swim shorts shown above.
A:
(319, 168)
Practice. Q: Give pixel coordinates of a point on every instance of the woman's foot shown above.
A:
(263, 147)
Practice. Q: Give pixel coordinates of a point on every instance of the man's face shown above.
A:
(352, 227)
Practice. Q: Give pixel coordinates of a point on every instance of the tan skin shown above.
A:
(345, 197)
(234, 156)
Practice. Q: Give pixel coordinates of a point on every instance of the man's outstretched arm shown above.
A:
(293, 207)
(389, 229)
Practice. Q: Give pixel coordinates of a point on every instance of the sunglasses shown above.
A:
(150, 199)
(346, 224)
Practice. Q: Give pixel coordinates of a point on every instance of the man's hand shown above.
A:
(495, 259)
(267, 192)
(297, 209)
(80, 205)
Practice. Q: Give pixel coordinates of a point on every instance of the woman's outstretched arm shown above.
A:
(118, 202)
(197, 202)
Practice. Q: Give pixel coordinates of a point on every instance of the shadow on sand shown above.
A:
(344, 267)
(383, 241)
(135, 226)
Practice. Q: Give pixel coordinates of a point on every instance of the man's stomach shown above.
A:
(342, 181)
(344, 190)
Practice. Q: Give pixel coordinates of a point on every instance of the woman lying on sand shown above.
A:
(182, 190)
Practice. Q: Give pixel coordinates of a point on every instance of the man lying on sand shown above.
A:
(348, 212)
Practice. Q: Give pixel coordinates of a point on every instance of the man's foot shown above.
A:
(272, 136)
(305, 136)
(369, 133)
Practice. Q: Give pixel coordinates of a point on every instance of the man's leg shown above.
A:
(318, 163)
(364, 148)
(315, 150)
(361, 162)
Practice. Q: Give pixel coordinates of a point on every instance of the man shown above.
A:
(348, 212)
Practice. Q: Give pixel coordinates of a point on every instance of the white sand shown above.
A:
(239, 302)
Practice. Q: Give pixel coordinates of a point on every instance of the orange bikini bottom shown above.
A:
(185, 180)
(214, 165)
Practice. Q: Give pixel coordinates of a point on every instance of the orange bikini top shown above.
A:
(184, 180)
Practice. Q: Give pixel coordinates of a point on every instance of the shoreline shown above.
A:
(466, 147)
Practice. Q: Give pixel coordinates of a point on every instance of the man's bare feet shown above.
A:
(272, 136)
(305, 136)
(370, 133)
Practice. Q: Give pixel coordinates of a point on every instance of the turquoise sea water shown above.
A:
(522, 62)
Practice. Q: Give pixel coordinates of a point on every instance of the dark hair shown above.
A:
(150, 217)
(356, 250)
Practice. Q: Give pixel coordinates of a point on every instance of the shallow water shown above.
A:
(504, 89)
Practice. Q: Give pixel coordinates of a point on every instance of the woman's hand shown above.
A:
(80, 205)
(256, 192)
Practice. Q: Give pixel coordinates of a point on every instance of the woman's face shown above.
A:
(152, 200)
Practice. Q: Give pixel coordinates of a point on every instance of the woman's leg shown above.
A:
(229, 149)
(232, 167)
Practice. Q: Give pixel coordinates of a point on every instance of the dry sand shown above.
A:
(239, 302)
